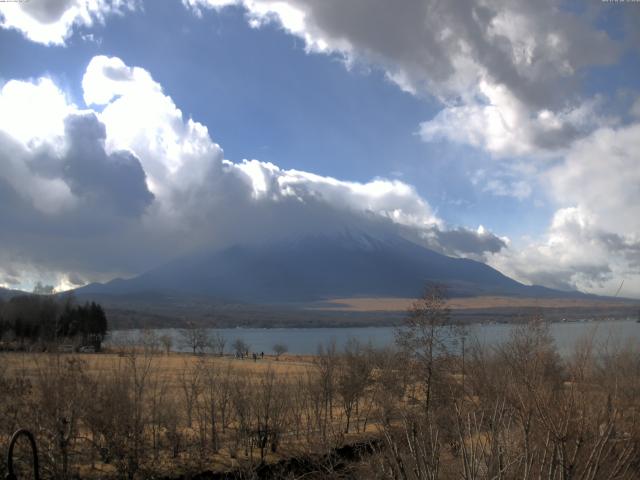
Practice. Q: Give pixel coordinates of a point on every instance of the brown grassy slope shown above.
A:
(390, 304)
(171, 365)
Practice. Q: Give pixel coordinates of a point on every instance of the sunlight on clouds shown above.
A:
(33, 113)
(293, 19)
(52, 22)
(501, 124)
(64, 284)
(139, 117)
(484, 63)
(602, 173)
(202, 200)
(388, 198)
(109, 77)
(594, 244)
(29, 276)
(259, 175)
(574, 254)
(290, 16)
(506, 75)
(199, 199)
(507, 78)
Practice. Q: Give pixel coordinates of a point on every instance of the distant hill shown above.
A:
(7, 293)
(311, 268)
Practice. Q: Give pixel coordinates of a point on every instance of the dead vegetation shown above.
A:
(437, 407)
(392, 304)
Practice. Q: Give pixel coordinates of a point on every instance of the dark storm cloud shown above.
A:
(116, 180)
(617, 244)
(87, 227)
(461, 241)
(114, 224)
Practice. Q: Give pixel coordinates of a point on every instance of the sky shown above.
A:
(133, 132)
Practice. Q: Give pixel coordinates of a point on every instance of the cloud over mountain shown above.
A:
(508, 78)
(133, 183)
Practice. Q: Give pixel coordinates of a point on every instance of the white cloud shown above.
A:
(24, 277)
(109, 77)
(504, 71)
(129, 187)
(575, 254)
(121, 190)
(498, 122)
(508, 77)
(513, 179)
(602, 174)
(519, 189)
(33, 113)
(595, 244)
(52, 22)
(31, 124)
(391, 199)
(186, 170)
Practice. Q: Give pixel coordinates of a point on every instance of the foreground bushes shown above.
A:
(522, 412)
(519, 411)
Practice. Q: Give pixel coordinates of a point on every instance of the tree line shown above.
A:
(40, 319)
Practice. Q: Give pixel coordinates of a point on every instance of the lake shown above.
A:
(306, 340)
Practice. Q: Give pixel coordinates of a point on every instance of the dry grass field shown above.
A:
(134, 413)
(469, 303)
(519, 411)
(171, 366)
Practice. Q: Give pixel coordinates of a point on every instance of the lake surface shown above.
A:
(306, 340)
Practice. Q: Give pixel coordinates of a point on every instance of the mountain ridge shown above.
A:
(314, 267)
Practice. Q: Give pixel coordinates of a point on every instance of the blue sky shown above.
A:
(497, 117)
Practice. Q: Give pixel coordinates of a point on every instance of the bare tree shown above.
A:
(59, 390)
(353, 377)
(280, 349)
(427, 335)
(269, 411)
(150, 341)
(195, 338)
(167, 343)
(190, 384)
(217, 344)
(117, 414)
(240, 347)
(391, 381)
(528, 413)
(158, 409)
(326, 362)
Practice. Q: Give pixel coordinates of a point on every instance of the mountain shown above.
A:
(316, 267)
(6, 294)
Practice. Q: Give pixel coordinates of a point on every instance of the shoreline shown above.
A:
(519, 320)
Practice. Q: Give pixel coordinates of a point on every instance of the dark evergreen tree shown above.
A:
(45, 318)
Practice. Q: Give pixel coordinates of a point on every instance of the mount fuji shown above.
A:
(347, 263)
